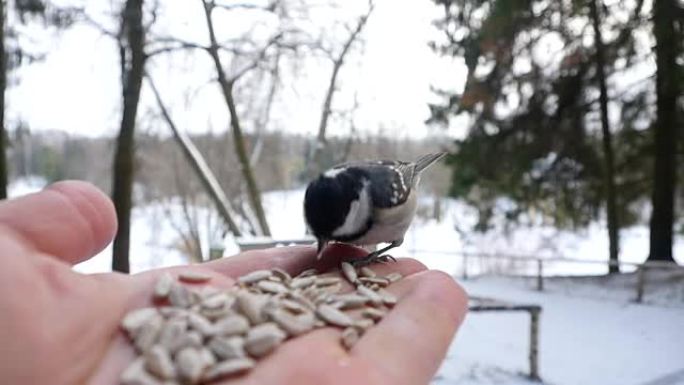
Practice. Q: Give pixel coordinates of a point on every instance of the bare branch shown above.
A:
(196, 160)
(226, 86)
(338, 62)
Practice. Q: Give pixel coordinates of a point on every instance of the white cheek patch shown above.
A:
(333, 172)
(359, 212)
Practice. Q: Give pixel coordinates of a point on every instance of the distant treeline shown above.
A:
(162, 171)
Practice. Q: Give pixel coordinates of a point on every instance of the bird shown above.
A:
(365, 203)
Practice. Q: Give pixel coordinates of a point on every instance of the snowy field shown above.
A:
(591, 331)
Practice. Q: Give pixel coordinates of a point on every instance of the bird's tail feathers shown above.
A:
(426, 160)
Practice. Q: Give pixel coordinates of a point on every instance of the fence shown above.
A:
(641, 268)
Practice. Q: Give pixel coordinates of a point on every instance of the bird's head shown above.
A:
(337, 206)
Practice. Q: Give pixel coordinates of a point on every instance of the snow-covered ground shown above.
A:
(584, 339)
(591, 331)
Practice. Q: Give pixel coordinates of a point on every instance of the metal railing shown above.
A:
(641, 268)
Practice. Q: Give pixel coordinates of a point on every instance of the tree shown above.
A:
(537, 94)
(3, 86)
(667, 17)
(318, 164)
(607, 141)
(132, 56)
(227, 84)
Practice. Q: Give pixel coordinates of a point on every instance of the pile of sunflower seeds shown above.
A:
(199, 333)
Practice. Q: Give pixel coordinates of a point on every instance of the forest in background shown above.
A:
(572, 110)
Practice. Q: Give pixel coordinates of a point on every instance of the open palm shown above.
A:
(61, 327)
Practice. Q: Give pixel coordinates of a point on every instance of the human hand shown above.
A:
(61, 327)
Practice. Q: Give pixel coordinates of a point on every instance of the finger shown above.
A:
(410, 343)
(70, 220)
(293, 259)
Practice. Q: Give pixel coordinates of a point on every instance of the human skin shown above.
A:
(58, 326)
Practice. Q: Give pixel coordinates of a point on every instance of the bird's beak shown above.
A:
(321, 246)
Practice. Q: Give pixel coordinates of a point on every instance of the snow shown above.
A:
(591, 330)
(584, 339)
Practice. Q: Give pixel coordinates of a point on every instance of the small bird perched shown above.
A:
(365, 203)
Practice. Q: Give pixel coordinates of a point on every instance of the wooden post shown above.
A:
(534, 343)
(641, 282)
(465, 266)
(540, 271)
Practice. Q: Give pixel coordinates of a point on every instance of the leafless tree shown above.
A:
(132, 59)
(196, 160)
(338, 59)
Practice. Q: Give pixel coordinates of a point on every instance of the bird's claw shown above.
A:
(371, 259)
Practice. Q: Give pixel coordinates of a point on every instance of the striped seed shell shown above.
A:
(190, 365)
(231, 325)
(228, 368)
(334, 316)
(163, 286)
(262, 339)
(254, 276)
(349, 272)
(228, 347)
(350, 336)
(158, 361)
(194, 276)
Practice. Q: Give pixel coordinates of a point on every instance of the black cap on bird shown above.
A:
(365, 202)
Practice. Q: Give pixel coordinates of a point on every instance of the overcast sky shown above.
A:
(76, 88)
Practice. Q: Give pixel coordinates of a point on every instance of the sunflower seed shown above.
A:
(373, 313)
(208, 357)
(194, 276)
(252, 306)
(158, 362)
(388, 298)
(146, 336)
(189, 364)
(380, 281)
(307, 273)
(272, 287)
(179, 296)
(254, 276)
(349, 272)
(171, 333)
(201, 324)
(293, 325)
(350, 336)
(231, 325)
(218, 300)
(394, 277)
(163, 286)
(228, 368)
(300, 283)
(366, 271)
(227, 348)
(333, 316)
(135, 374)
(327, 281)
(191, 339)
(363, 323)
(301, 299)
(372, 296)
(351, 300)
(136, 319)
(262, 339)
(282, 274)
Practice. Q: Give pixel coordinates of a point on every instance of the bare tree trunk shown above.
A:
(3, 85)
(196, 160)
(226, 85)
(317, 165)
(609, 163)
(132, 65)
(668, 89)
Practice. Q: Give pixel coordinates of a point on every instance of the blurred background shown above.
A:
(558, 207)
